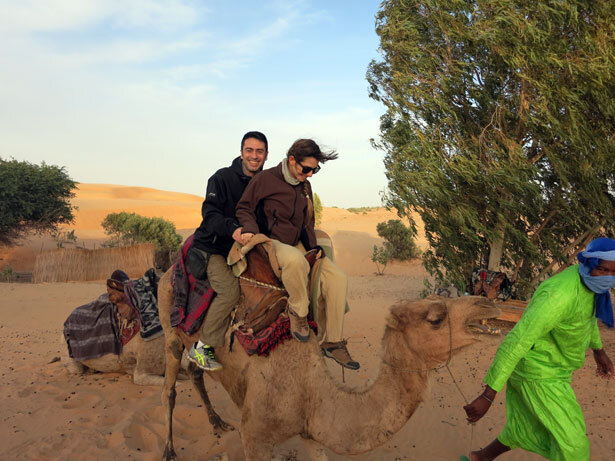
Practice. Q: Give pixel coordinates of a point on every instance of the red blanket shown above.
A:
(266, 340)
(191, 297)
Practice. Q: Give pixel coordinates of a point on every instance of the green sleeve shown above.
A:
(595, 342)
(547, 308)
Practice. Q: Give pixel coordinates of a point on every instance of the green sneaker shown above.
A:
(204, 357)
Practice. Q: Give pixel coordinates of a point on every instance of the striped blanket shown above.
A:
(91, 330)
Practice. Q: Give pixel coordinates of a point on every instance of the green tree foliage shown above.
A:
(498, 128)
(317, 210)
(131, 228)
(33, 198)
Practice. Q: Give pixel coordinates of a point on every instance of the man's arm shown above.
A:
(213, 210)
(246, 207)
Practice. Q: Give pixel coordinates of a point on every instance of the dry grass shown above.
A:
(79, 264)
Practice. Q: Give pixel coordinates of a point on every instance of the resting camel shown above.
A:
(291, 392)
(144, 360)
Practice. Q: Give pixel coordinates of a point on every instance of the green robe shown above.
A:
(536, 361)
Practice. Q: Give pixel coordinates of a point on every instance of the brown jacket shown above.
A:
(273, 207)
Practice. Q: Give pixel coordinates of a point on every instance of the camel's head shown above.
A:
(434, 327)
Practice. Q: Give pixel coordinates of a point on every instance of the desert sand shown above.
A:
(49, 415)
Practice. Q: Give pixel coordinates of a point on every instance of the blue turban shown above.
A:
(599, 249)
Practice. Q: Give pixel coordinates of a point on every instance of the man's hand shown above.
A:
(604, 366)
(481, 404)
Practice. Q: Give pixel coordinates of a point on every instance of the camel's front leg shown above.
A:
(173, 356)
(197, 379)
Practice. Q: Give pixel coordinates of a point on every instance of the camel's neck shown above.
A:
(356, 422)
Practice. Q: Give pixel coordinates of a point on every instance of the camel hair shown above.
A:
(292, 393)
(144, 360)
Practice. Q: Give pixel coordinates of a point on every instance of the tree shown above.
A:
(317, 209)
(131, 228)
(398, 244)
(33, 198)
(498, 129)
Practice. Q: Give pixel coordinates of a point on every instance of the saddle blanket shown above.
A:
(266, 340)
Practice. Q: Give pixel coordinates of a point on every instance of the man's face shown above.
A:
(297, 168)
(253, 156)
(603, 268)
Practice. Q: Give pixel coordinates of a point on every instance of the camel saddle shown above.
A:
(263, 297)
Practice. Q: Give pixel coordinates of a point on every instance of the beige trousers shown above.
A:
(226, 286)
(333, 287)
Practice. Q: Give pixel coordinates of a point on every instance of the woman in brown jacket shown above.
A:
(278, 203)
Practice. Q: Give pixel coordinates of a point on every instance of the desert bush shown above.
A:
(7, 274)
(399, 239)
(130, 228)
(381, 256)
(398, 244)
(363, 209)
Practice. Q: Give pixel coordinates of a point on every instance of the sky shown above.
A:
(158, 93)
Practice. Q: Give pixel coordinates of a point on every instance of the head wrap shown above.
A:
(599, 249)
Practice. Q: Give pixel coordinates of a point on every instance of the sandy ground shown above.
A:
(47, 414)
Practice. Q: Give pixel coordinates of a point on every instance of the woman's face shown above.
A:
(297, 169)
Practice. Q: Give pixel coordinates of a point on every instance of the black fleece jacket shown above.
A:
(224, 189)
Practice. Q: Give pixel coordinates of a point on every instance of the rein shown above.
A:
(261, 284)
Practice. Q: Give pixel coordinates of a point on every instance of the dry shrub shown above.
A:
(78, 264)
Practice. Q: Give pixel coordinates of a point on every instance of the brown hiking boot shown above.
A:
(299, 327)
(338, 352)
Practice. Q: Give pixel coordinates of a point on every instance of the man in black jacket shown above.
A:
(213, 240)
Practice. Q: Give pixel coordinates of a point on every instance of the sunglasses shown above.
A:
(307, 169)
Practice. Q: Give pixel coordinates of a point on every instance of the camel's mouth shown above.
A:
(475, 324)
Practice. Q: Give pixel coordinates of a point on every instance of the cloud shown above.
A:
(31, 16)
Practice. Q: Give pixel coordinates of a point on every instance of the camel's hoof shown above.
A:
(220, 425)
(169, 454)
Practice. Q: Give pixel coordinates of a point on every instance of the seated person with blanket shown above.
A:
(213, 239)
(278, 204)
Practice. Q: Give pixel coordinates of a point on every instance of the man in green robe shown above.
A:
(537, 358)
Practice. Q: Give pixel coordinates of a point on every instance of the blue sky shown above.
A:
(159, 93)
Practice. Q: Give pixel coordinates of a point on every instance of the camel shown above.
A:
(144, 360)
(291, 392)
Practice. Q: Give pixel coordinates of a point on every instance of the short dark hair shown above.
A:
(303, 148)
(256, 135)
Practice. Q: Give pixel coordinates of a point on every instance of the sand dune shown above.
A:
(49, 415)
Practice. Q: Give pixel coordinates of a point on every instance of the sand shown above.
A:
(49, 415)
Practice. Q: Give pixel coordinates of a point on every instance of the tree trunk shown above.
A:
(495, 254)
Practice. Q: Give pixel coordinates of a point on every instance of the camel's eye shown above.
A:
(435, 318)
(436, 321)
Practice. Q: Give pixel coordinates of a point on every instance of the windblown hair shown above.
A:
(303, 148)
